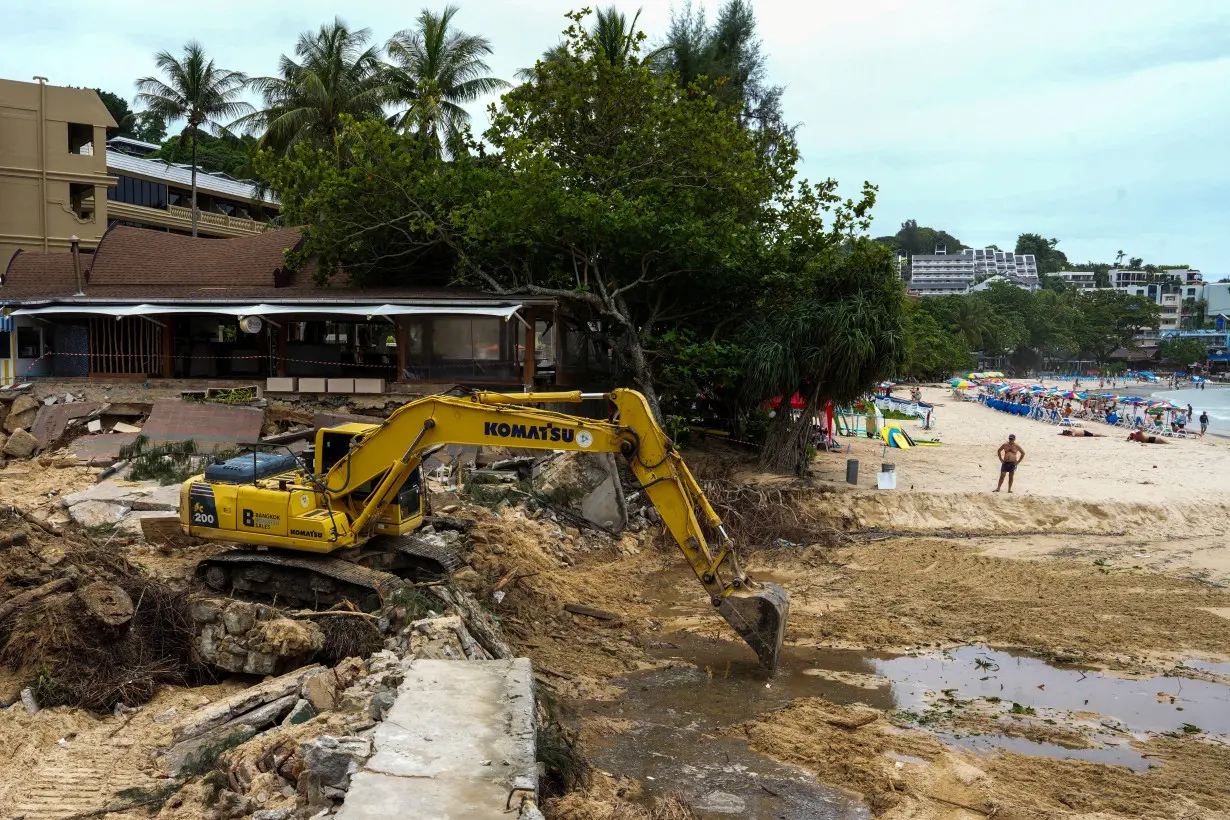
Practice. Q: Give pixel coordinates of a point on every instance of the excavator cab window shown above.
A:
(410, 496)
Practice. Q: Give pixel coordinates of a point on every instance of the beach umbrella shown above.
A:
(962, 383)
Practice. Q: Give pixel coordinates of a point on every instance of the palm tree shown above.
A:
(435, 69)
(614, 37)
(196, 91)
(971, 323)
(337, 75)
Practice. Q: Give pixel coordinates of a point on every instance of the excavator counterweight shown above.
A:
(344, 526)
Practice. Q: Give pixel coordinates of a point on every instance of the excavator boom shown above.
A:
(380, 460)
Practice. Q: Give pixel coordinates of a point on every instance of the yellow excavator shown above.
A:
(341, 526)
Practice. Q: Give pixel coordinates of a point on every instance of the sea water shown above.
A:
(1213, 400)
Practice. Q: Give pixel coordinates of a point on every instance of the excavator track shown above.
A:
(408, 556)
(365, 576)
(318, 582)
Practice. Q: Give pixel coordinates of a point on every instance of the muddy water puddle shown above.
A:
(676, 712)
(1160, 704)
(672, 745)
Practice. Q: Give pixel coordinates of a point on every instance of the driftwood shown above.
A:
(480, 623)
(45, 526)
(590, 612)
(17, 601)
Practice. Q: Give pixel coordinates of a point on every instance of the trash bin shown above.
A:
(887, 479)
(852, 471)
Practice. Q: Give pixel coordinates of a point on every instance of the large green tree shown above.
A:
(334, 74)
(1047, 255)
(726, 58)
(1185, 352)
(916, 239)
(196, 90)
(434, 71)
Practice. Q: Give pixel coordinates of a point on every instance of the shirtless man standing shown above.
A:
(1010, 455)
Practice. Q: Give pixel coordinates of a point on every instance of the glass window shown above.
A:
(5, 341)
(29, 342)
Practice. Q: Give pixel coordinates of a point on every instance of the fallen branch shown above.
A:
(590, 612)
(45, 526)
(311, 613)
(965, 806)
(18, 601)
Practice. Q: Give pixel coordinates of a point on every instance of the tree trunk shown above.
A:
(194, 183)
(785, 447)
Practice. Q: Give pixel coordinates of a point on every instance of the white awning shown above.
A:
(504, 312)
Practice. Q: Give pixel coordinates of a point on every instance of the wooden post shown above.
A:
(279, 367)
(527, 377)
(168, 347)
(403, 344)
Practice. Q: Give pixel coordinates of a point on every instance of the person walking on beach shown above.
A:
(1204, 422)
(1010, 455)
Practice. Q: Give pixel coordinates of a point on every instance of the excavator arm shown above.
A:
(393, 450)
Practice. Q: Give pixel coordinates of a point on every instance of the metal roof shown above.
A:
(181, 177)
(153, 146)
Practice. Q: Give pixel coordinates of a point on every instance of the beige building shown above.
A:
(53, 183)
(54, 150)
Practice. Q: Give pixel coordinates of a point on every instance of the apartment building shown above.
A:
(61, 178)
(1021, 268)
(1082, 279)
(945, 274)
(940, 274)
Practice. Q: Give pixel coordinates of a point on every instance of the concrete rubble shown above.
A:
(239, 636)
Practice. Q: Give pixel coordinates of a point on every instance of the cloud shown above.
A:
(1097, 122)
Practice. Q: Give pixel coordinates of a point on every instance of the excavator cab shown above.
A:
(404, 513)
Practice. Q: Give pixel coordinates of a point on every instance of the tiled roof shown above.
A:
(40, 275)
(181, 177)
(138, 256)
(141, 265)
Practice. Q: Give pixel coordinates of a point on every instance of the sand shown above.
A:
(1079, 469)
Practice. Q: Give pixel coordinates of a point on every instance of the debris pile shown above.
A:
(239, 636)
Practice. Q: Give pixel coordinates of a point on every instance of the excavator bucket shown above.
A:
(758, 614)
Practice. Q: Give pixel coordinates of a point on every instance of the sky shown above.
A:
(1103, 124)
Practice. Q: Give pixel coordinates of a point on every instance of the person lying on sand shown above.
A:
(1082, 434)
(1143, 439)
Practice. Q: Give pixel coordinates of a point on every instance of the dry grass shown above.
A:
(347, 636)
(74, 662)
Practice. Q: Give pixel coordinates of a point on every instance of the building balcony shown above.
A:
(178, 218)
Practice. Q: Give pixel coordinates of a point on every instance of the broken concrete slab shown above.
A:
(114, 490)
(124, 427)
(164, 499)
(51, 421)
(96, 513)
(142, 523)
(212, 426)
(101, 449)
(182, 754)
(460, 758)
(266, 715)
(335, 759)
(20, 444)
(215, 714)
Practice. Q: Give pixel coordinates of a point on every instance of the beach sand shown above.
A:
(1163, 508)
